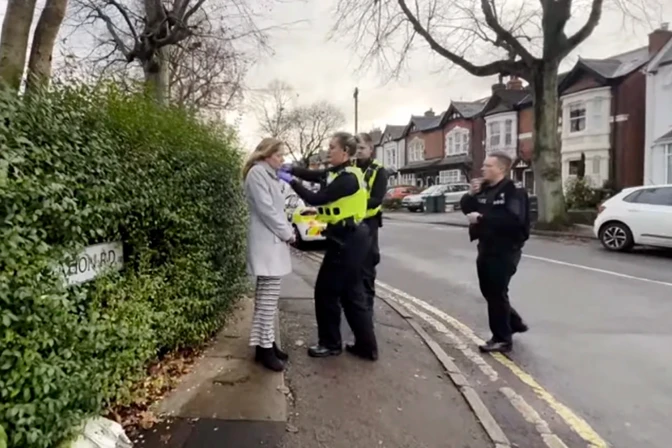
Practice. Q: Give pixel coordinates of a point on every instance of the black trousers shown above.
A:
(371, 261)
(339, 286)
(495, 271)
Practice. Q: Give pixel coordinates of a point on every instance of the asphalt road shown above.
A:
(600, 339)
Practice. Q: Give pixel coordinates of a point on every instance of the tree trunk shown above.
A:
(157, 76)
(39, 64)
(547, 161)
(14, 41)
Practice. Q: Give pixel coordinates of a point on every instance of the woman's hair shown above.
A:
(364, 137)
(347, 141)
(265, 149)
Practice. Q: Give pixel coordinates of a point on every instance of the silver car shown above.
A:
(452, 192)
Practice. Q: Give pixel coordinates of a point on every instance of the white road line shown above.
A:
(459, 326)
(454, 340)
(533, 417)
(601, 271)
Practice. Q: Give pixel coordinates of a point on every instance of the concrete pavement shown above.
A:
(405, 400)
(595, 367)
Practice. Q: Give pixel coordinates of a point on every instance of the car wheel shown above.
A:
(616, 236)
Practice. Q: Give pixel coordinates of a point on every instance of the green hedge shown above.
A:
(82, 166)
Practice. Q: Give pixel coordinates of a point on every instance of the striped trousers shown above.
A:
(265, 308)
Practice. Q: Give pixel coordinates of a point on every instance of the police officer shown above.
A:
(498, 214)
(375, 177)
(342, 205)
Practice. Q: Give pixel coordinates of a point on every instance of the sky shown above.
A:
(320, 69)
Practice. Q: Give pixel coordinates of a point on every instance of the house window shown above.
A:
(596, 164)
(457, 142)
(495, 134)
(577, 117)
(450, 177)
(574, 167)
(668, 163)
(391, 157)
(416, 150)
(508, 132)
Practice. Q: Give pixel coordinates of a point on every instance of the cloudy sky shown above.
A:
(325, 70)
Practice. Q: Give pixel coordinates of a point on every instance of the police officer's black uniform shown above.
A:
(501, 233)
(375, 177)
(339, 281)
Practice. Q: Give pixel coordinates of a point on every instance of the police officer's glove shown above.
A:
(285, 176)
(286, 167)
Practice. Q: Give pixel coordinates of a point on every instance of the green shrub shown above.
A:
(82, 166)
(580, 195)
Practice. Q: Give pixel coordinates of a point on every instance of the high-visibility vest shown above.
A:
(353, 206)
(370, 178)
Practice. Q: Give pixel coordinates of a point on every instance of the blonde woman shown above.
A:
(268, 257)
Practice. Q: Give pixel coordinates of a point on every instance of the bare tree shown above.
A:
(144, 31)
(14, 41)
(206, 74)
(310, 128)
(304, 128)
(528, 40)
(44, 38)
(274, 107)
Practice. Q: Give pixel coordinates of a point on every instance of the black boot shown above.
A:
(319, 351)
(492, 346)
(282, 356)
(370, 355)
(267, 358)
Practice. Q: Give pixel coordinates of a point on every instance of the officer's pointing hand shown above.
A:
(476, 186)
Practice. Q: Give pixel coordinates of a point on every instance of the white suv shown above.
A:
(636, 216)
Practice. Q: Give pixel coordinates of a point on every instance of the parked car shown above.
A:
(302, 218)
(453, 193)
(401, 191)
(636, 216)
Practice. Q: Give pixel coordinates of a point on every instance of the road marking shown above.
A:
(576, 423)
(452, 337)
(601, 271)
(533, 417)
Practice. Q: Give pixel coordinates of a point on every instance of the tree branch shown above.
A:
(493, 68)
(586, 29)
(513, 44)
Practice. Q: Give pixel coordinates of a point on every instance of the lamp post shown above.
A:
(356, 97)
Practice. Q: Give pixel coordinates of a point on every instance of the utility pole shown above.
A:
(356, 97)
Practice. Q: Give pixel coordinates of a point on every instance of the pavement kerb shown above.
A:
(491, 427)
(547, 233)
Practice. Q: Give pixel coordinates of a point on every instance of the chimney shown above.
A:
(514, 83)
(658, 38)
(430, 113)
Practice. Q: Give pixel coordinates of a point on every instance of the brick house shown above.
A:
(424, 149)
(508, 122)
(603, 117)
(522, 165)
(463, 132)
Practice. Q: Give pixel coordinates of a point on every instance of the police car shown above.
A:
(303, 219)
